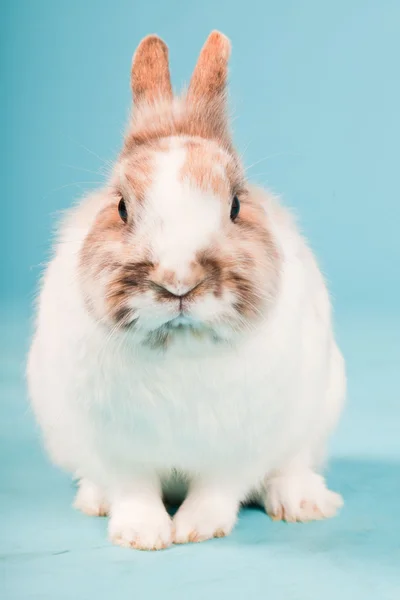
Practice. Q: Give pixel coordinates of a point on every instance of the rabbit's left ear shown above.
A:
(150, 77)
(209, 79)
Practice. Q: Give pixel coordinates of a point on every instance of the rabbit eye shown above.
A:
(123, 213)
(235, 208)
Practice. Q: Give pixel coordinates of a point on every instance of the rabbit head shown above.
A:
(182, 243)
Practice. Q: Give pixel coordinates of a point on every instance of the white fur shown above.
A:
(90, 499)
(250, 417)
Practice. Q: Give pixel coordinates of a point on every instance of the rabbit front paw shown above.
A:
(205, 517)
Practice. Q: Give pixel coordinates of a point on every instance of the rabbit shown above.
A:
(184, 341)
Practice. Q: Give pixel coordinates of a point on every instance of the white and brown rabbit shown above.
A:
(184, 330)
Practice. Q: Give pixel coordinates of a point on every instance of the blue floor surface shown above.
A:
(48, 551)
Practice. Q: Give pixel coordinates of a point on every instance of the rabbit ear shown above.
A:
(150, 78)
(210, 75)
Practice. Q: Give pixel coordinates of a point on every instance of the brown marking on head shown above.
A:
(205, 167)
(246, 263)
(254, 273)
(129, 280)
(232, 273)
(123, 316)
(150, 78)
(138, 169)
(106, 260)
(213, 272)
(100, 254)
(198, 119)
(107, 230)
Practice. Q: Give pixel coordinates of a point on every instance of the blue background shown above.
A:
(315, 92)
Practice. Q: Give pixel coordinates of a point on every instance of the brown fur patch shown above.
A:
(138, 169)
(205, 167)
(129, 280)
(213, 270)
(108, 227)
(105, 257)
(182, 118)
(254, 274)
(247, 264)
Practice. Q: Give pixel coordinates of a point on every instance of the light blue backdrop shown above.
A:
(315, 89)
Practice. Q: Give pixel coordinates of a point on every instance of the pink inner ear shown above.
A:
(150, 77)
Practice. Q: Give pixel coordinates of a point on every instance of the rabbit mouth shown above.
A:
(181, 322)
(181, 328)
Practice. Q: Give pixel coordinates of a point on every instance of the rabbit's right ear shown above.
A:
(150, 77)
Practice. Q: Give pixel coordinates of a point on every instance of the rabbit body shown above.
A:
(244, 418)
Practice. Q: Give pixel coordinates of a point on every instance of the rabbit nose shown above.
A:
(175, 289)
(177, 282)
